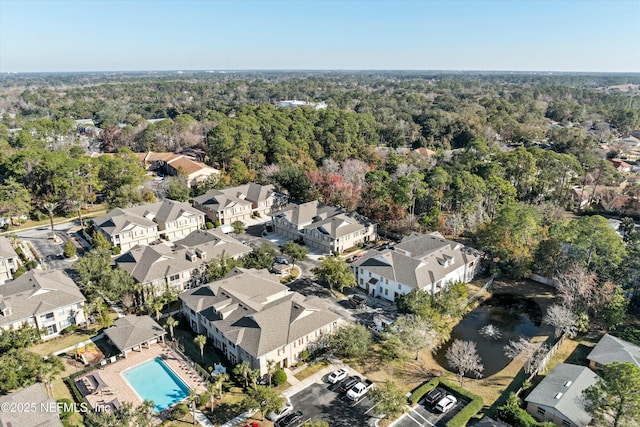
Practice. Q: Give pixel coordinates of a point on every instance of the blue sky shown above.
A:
(535, 35)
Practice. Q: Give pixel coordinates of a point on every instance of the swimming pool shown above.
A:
(154, 380)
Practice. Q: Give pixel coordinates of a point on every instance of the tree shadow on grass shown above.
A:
(223, 412)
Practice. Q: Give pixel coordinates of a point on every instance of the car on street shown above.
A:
(280, 260)
(349, 382)
(359, 390)
(337, 376)
(355, 258)
(289, 420)
(252, 424)
(434, 396)
(287, 408)
(446, 403)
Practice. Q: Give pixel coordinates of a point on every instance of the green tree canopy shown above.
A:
(336, 273)
(615, 398)
(351, 340)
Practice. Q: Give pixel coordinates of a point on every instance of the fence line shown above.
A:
(480, 291)
(542, 367)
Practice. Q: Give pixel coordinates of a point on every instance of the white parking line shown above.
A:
(428, 422)
(367, 411)
(416, 421)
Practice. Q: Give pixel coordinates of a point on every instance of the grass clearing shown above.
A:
(312, 369)
(62, 342)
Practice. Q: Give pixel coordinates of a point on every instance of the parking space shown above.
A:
(423, 415)
(325, 402)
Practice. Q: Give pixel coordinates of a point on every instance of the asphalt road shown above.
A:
(321, 402)
(422, 415)
(50, 252)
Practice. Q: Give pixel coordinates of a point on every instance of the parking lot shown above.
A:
(422, 415)
(325, 402)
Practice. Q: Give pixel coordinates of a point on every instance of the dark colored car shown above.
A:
(358, 301)
(434, 396)
(290, 419)
(346, 385)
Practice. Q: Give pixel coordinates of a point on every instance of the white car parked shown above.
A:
(446, 403)
(286, 409)
(337, 376)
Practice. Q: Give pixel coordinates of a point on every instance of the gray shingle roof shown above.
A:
(419, 260)
(171, 210)
(131, 331)
(31, 397)
(119, 219)
(611, 349)
(246, 194)
(256, 312)
(562, 389)
(148, 263)
(6, 250)
(38, 292)
(338, 225)
(306, 213)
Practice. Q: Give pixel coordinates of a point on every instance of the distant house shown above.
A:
(9, 260)
(427, 262)
(238, 203)
(47, 300)
(558, 397)
(621, 165)
(194, 172)
(185, 164)
(251, 317)
(42, 410)
(294, 103)
(134, 333)
(144, 224)
(182, 267)
(612, 349)
(327, 228)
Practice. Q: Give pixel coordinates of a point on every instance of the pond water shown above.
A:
(492, 325)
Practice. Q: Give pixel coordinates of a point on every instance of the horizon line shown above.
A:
(334, 70)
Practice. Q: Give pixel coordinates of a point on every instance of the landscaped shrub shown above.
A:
(179, 411)
(66, 410)
(69, 329)
(69, 249)
(116, 250)
(512, 413)
(208, 225)
(422, 390)
(475, 404)
(304, 355)
(279, 377)
(204, 398)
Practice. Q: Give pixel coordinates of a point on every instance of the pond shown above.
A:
(492, 325)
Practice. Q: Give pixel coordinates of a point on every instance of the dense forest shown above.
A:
(505, 152)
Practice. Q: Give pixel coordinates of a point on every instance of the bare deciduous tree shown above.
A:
(525, 349)
(415, 333)
(562, 319)
(463, 356)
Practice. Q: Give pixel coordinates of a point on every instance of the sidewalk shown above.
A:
(202, 419)
(315, 378)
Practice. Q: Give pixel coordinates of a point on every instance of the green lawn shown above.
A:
(62, 342)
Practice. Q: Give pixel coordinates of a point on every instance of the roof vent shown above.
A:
(568, 383)
(558, 396)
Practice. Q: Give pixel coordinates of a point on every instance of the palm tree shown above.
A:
(243, 370)
(50, 207)
(171, 323)
(193, 396)
(201, 340)
(77, 204)
(271, 368)
(215, 386)
(254, 374)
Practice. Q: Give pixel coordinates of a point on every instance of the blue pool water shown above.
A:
(153, 380)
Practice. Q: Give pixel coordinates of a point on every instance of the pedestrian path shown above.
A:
(202, 419)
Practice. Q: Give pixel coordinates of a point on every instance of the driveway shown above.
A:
(323, 402)
(50, 252)
(421, 415)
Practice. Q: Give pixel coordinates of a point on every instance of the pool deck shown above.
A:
(119, 388)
